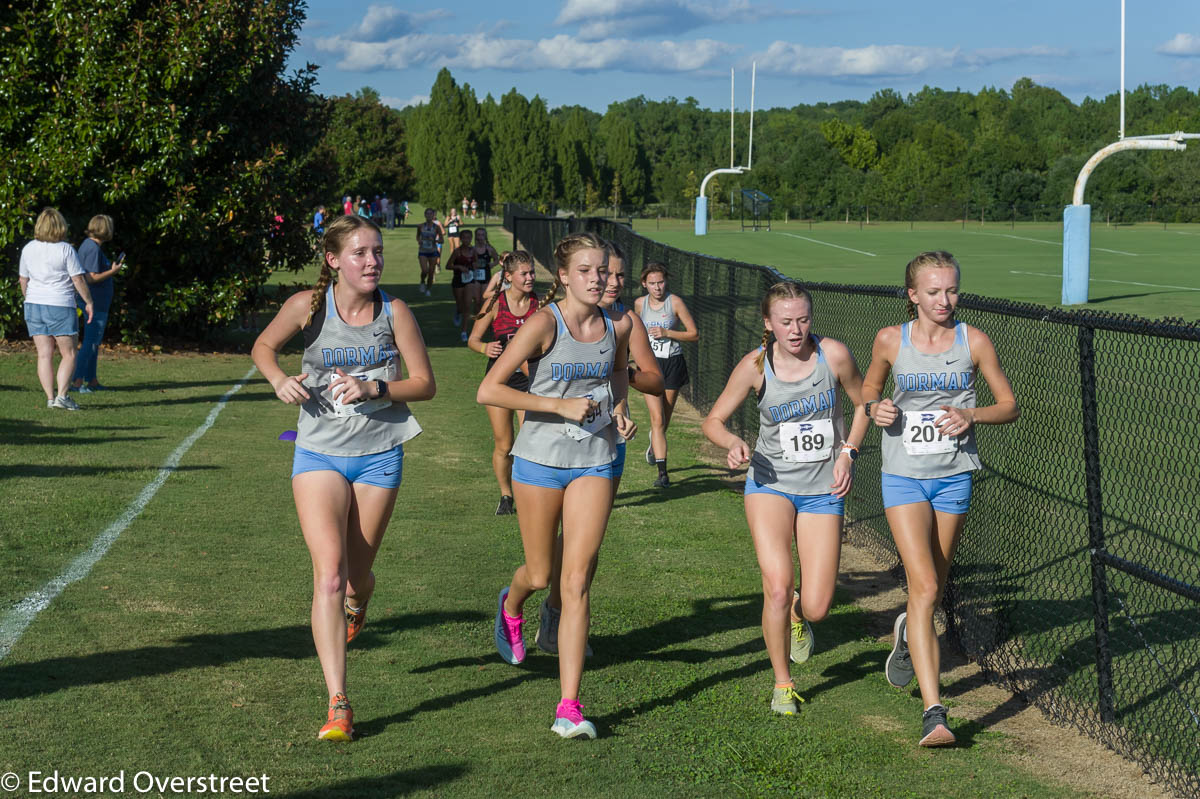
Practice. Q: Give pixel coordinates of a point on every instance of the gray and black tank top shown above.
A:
(800, 429)
(427, 242)
(912, 446)
(367, 352)
(664, 317)
(571, 368)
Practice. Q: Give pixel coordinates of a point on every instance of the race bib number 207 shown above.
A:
(921, 436)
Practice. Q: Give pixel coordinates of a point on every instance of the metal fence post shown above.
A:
(1096, 546)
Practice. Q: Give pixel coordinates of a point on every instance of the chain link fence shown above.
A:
(1077, 580)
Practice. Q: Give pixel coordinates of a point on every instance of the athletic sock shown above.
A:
(661, 463)
(353, 609)
(788, 684)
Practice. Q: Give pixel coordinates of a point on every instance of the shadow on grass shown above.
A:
(21, 680)
(240, 397)
(26, 431)
(41, 470)
(398, 783)
(690, 486)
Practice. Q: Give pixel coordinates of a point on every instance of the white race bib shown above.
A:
(921, 436)
(597, 420)
(661, 346)
(806, 442)
(480, 276)
(345, 410)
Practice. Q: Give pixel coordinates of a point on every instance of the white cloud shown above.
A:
(885, 60)
(399, 103)
(1182, 44)
(785, 58)
(383, 22)
(603, 19)
(562, 52)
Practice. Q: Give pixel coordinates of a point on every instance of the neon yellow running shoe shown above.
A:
(784, 701)
(802, 638)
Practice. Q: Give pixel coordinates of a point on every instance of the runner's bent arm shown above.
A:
(533, 339)
(689, 333)
(648, 377)
(887, 343)
(265, 353)
(744, 379)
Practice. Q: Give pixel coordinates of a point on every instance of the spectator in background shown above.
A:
(474, 208)
(376, 208)
(319, 221)
(98, 272)
(347, 205)
(50, 276)
(404, 212)
(389, 212)
(364, 208)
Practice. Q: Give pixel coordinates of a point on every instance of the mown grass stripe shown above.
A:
(17, 620)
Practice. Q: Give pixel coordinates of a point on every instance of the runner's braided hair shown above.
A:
(331, 244)
(785, 290)
(566, 247)
(509, 261)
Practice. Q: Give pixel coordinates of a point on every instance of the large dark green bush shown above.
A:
(176, 118)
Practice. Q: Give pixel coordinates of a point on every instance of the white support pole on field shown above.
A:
(1121, 130)
(701, 220)
(1077, 217)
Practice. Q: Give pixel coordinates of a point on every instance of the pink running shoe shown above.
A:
(570, 723)
(510, 643)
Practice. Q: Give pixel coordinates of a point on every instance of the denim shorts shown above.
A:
(946, 494)
(826, 504)
(535, 474)
(618, 464)
(51, 320)
(383, 469)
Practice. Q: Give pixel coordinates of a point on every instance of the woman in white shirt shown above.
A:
(50, 276)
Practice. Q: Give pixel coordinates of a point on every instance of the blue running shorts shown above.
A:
(383, 469)
(946, 494)
(535, 474)
(826, 504)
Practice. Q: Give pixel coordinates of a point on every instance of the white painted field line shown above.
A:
(22, 615)
(1019, 238)
(1055, 243)
(827, 244)
(1106, 280)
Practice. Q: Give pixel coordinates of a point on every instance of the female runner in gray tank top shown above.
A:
(801, 469)
(354, 420)
(929, 457)
(562, 459)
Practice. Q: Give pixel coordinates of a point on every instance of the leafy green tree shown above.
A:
(623, 155)
(573, 155)
(617, 194)
(446, 142)
(365, 147)
(853, 143)
(691, 187)
(177, 119)
(521, 152)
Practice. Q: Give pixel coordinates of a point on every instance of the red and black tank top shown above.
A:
(506, 324)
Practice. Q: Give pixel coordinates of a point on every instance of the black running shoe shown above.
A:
(935, 730)
(662, 481)
(899, 668)
(505, 508)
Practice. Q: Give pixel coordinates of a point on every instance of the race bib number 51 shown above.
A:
(921, 436)
(806, 442)
(660, 346)
(597, 420)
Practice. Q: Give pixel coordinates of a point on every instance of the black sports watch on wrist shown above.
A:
(382, 387)
(867, 407)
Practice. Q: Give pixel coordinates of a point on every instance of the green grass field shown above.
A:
(186, 651)
(1138, 269)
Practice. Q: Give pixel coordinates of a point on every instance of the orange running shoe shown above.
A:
(340, 726)
(354, 621)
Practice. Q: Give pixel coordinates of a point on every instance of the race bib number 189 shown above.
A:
(807, 442)
(921, 436)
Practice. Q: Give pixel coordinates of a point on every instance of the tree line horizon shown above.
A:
(183, 122)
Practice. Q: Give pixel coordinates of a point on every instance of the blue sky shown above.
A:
(594, 52)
